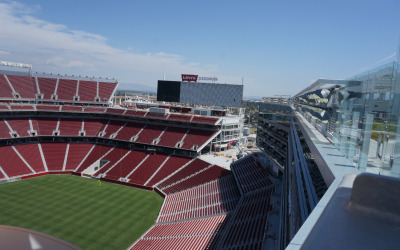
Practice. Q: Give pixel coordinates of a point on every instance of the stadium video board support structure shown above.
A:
(226, 95)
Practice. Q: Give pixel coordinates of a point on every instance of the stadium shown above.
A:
(199, 125)
(60, 125)
(79, 171)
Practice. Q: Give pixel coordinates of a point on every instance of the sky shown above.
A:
(278, 47)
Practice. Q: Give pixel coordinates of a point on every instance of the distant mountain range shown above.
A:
(254, 98)
(137, 87)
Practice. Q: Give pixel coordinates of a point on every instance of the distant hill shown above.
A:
(254, 98)
(136, 87)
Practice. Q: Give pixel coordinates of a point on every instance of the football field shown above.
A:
(77, 210)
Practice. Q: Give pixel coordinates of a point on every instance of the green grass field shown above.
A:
(77, 210)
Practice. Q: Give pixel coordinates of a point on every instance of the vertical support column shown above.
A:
(77, 88)
(336, 135)
(54, 96)
(366, 139)
(65, 157)
(353, 136)
(37, 85)
(344, 128)
(56, 88)
(76, 97)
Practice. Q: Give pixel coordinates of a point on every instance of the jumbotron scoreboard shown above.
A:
(193, 92)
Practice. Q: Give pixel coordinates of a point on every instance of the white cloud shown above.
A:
(60, 62)
(55, 48)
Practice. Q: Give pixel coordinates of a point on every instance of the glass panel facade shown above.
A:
(360, 115)
(367, 120)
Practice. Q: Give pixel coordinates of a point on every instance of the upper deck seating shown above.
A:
(115, 111)
(87, 91)
(23, 85)
(196, 138)
(94, 110)
(70, 127)
(20, 125)
(92, 126)
(180, 117)
(111, 127)
(150, 133)
(203, 119)
(55, 89)
(47, 86)
(46, 125)
(4, 130)
(5, 89)
(21, 107)
(132, 112)
(172, 136)
(128, 131)
(66, 89)
(156, 116)
(106, 89)
(71, 109)
(47, 107)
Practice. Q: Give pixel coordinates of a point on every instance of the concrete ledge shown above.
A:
(377, 197)
(356, 216)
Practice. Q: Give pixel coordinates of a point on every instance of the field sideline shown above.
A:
(77, 210)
